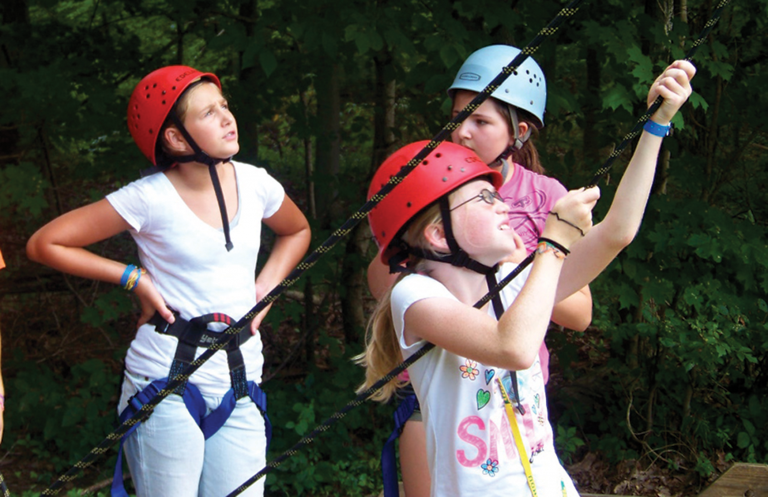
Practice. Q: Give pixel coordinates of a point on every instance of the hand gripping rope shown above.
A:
(310, 261)
(360, 399)
(337, 235)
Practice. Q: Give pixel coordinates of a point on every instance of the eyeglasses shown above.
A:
(486, 195)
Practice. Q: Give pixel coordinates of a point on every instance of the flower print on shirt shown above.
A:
(469, 370)
(490, 467)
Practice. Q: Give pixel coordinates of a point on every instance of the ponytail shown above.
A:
(382, 348)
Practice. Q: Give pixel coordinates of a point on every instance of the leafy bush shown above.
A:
(682, 311)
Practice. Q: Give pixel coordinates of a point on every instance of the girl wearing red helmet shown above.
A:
(487, 429)
(499, 132)
(197, 224)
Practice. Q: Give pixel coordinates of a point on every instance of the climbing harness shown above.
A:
(326, 246)
(311, 260)
(191, 335)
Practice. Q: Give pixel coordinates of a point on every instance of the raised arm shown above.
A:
(604, 242)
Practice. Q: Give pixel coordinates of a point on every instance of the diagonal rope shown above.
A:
(363, 396)
(4, 492)
(310, 261)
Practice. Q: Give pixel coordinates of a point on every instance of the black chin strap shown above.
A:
(462, 259)
(203, 158)
(519, 140)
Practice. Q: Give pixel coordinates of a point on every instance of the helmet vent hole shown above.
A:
(530, 80)
(408, 204)
(445, 179)
(425, 163)
(151, 132)
(173, 88)
(163, 102)
(514, 72)
(163, 92)
(438, 155)
(154, 86)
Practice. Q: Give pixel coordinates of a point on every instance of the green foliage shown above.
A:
(60, 418)
(344, 460)
(686, 327)
(567, 443)
(681, 315)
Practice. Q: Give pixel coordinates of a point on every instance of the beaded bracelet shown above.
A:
(546, 245)
(2, 402)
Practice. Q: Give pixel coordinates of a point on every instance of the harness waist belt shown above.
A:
(196, 332)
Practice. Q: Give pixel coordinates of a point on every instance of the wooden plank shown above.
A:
(742, 479)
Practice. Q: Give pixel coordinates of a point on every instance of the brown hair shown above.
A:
(527, 156)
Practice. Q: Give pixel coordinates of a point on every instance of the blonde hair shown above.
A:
(382, 350)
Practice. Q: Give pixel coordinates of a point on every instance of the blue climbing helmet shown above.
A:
(526, 88)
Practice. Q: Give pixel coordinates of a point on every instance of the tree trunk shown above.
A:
(328, 145)
(589, 134)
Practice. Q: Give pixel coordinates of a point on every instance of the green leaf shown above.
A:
(268, 62)
(617, 97)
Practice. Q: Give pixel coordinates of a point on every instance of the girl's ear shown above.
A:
(435, 235)
(174, 141)
(522, 129)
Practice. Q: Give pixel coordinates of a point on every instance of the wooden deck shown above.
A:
(740, 480)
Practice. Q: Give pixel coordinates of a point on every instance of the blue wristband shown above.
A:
(657, 129)
(126, 274)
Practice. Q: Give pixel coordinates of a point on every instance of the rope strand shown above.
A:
(484, 300)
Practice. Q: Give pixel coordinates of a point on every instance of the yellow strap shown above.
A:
(519, 442)
(518, 438)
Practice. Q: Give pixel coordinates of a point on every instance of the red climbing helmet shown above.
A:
(152, 100)
(446, 168)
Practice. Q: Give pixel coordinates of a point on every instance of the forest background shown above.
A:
(664, 390)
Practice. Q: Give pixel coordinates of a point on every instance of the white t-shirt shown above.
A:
(191, 268)
(470, 446)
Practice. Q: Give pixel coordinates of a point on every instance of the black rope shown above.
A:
(332, 240)
(4, 492)
(360, 399)
(310, 261)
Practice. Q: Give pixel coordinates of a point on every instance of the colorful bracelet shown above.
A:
(133, 280)
(129, 269)
(546, 245)
(657, 129)
(2, 402)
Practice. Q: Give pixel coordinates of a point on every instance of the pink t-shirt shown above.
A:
(530, 196)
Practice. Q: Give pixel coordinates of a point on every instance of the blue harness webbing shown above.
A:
(192, 334)
(388, 460)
